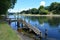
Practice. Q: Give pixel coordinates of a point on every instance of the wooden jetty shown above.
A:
(35, 29)
(27, 25)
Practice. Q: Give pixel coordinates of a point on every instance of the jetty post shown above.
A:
(15, 18)
(46, 33)
(18, 21)
(40, 35)
(19, 29)
(18, 24)
(9, 21)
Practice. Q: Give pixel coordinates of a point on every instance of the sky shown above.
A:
(28, 4)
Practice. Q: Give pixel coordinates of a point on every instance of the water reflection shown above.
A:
(46, 33)
(49, 23)
(49, 26)
(13, 25)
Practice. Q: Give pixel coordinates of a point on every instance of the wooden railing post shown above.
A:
(9, 21)
(18, 24)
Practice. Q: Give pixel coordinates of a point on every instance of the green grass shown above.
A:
(6, 33)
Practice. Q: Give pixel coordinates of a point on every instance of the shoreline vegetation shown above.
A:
(38, 15)
(53, 8)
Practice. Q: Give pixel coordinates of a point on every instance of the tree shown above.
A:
(47, 7)
(31, 11)
(34, 11)
(41, 7)
(5, 5)
(55, 8)
(22, 12)
(42, 10)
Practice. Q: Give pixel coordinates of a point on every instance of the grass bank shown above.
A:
(6, 33)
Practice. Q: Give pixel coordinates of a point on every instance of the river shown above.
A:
(51, 24)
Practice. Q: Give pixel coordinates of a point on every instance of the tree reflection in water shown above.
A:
(53, 21)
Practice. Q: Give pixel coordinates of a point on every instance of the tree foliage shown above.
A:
(30, 11)
(5, 5)
(34, 11)
(54, 8)
(42, 10)
(41, 7)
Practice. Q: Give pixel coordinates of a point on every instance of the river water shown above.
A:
(51, 24)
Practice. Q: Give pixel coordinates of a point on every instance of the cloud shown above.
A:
(12, 10)
(17, 10)
(42, 3)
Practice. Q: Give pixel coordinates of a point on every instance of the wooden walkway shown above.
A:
(35, 29)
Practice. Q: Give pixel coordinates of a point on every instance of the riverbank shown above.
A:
(6, 33)
(39, 15)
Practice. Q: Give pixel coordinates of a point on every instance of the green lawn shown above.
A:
(6, 33)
